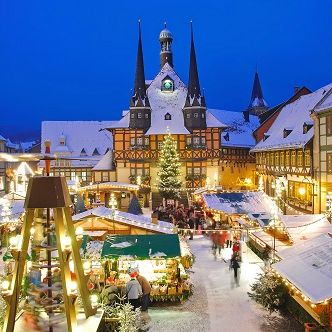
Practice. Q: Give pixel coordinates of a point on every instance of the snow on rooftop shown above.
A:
(239, 202)
(293, 115)
(308, 266)
(304, 227)
(106, 162)
(325, 104)
(163, 102)
(79, 136)
(239, 132)
(126, 218)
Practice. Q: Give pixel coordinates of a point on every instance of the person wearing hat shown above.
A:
(146, 288)
(133, 290)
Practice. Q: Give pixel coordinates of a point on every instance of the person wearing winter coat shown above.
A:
(146, 288)
(134, 290)
(234, 264)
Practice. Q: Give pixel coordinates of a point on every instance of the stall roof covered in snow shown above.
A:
(162, 102)
(308, 266)
(126, 218)
(142, 246)
(304, 227)
(293, 116)
(84, 139)
(239, 202)
(239, 132)
(110, 185)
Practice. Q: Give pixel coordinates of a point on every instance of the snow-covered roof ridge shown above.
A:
(127, 218)
(239, 132)
(293, 115)
(79, 135)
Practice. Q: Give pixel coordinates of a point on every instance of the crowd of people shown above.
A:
(181, 217)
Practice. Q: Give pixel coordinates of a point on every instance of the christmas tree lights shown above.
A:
(169, 184)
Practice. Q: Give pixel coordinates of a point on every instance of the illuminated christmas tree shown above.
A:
(169, 183)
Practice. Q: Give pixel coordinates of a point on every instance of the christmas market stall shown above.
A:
(11, 211)
(305, 270)
(113, 221)
(289, 230)
(158, 258)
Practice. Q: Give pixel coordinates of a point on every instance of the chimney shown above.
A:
(296, 89)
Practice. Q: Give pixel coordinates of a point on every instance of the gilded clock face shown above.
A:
(167, 85)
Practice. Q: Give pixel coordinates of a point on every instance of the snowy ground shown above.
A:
(219, 303)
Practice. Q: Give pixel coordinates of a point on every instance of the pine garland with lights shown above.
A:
(169, 184)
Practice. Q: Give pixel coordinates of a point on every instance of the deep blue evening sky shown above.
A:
(76, 59)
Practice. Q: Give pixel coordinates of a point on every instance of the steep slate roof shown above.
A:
(167, 102)
(293, 116)
(239, 133)
(79, 135)
(257, 99)
(266, 115)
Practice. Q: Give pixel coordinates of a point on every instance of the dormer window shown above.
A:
(83, 152)
(307, 127)
(287, 131)
(168, 116)
(266, 136)
(95, 152)
(167, 85)
(226, 137)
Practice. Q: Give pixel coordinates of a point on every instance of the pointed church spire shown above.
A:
(193, 85)
(257, 103)
(194, 110)
(140, 112)
(139, 87)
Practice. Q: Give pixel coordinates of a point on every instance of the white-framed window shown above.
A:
(139, 141)
(160, 145)
(146, 141)
(196, 140)
(197, 170)
(195, 115)
(203, 140)
(188, 115)
(146, 115)
(188, 140)
(72, 175)
(132, 141)
(203, 115)
(139, 115)
(84, 176)
(132, 115)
